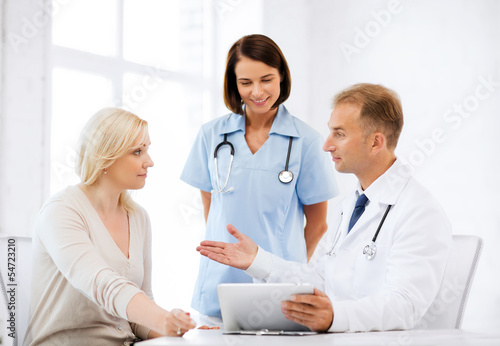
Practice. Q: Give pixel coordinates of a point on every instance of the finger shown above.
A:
(235, 233)
(213, 243)
(302, 313)
(247, 245)
(300, 317)
(304, 298)
(208, 253)
(314, 299)
(183, 319)
(181, 330)
(215, 256)
(319, 293)
(296, 307)
(210, 249)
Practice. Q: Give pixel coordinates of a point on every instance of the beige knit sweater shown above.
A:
(81, 281)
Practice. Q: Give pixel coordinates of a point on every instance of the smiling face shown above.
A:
(129, 172)
(347, 143)
(258, 85)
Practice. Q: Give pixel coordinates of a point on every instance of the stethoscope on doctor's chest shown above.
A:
(285, 176)
(369, 250)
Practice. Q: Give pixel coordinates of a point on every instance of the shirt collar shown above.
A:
(232, 123)
(359, 191)
(283, 123)
(387, 188)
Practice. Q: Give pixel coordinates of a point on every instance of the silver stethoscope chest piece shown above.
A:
(285, 177)
(370, 251)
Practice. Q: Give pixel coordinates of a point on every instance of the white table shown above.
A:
(448, 337)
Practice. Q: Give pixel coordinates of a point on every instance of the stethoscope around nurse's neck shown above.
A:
(220, 145)
(369, 250)
(285, 176)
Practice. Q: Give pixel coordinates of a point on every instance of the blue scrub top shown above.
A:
(260, 206)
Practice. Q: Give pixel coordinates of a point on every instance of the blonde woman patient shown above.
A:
(92, 247)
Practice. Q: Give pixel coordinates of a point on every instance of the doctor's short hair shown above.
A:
(381, 109)
(107, 136)
(260, 48)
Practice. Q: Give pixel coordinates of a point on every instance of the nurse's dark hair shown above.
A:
(381, 109)
(260, 48)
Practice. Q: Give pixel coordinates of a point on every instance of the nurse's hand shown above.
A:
(311, 310)
(238, 255)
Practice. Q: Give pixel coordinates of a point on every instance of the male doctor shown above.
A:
(361, 284)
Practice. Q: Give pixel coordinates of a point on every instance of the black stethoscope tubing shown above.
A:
(369, 250)
(374, 239)
(285, 176)
(223, 188)
(224, 142)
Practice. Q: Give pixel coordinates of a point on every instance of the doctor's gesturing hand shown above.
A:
(314, 311)
(238, 255)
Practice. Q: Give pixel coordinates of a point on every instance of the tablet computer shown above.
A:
(256, 308)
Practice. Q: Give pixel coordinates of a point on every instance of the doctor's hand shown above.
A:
(238, 255)
(313, 311)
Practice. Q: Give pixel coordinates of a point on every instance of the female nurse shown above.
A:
(240, 179)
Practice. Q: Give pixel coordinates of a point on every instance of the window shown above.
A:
(146, 56)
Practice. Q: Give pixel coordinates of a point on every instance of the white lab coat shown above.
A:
(395, 288)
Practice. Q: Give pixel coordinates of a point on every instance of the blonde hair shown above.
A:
(107, 136)
(381, 109)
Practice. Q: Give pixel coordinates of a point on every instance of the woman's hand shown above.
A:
(238, 255)
(177, 323)
(144, 311)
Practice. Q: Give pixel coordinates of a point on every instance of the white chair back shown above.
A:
(447, 310)
(15, 282)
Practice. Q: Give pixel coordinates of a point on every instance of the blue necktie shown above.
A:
(358, 210)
